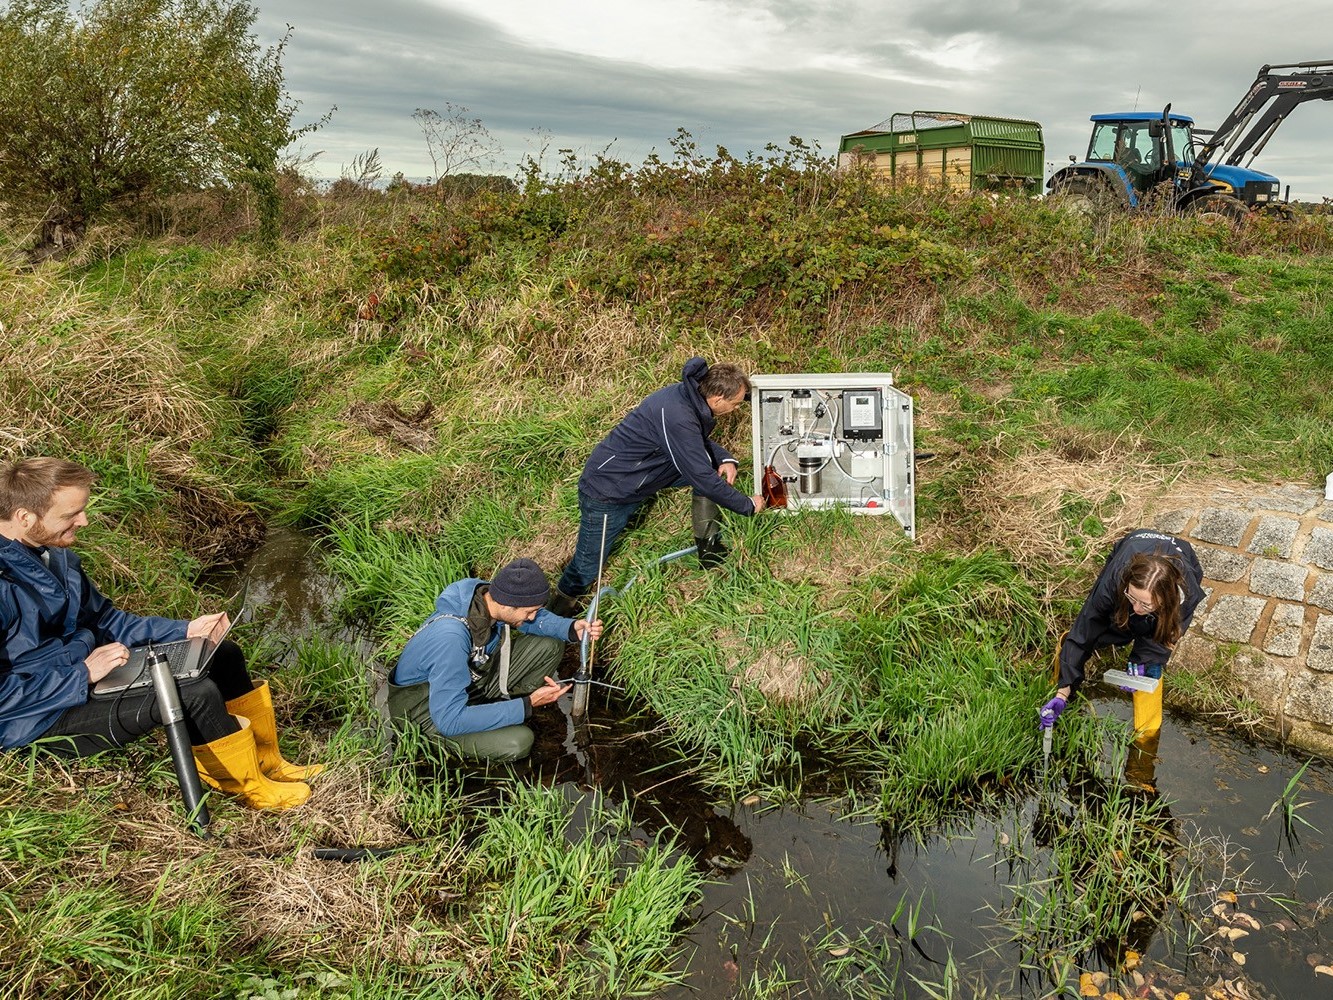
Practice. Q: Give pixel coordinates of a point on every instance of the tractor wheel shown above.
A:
(1224, 207)
(1079, 196)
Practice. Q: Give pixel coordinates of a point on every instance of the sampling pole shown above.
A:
(584, 675)
(178, 738)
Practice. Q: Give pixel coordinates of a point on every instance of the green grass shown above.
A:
(528, 324)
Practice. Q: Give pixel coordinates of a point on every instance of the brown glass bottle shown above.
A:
(773, 488)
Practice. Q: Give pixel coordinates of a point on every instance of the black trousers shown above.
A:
(102, 723)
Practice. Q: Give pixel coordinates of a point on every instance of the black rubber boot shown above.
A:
(563, 605)
(712, 552)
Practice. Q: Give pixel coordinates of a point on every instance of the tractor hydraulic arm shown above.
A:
(1254, 120)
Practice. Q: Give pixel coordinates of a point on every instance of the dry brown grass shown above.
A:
(75, 378)
(1024, 500)
(72, 365)
(1021, 501)
(259, 866)
(782, 675)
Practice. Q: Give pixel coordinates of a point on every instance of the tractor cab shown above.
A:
(1136, 143)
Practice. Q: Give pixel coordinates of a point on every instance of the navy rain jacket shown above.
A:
(1094, 629)
(50, 620)
(664, 442)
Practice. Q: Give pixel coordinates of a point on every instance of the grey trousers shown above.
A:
(531, 659)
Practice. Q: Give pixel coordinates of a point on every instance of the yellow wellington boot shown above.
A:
(257, 706)
(232, 765)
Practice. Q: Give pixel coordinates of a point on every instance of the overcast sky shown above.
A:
(589, 74)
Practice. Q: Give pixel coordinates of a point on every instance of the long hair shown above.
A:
(1160, 575)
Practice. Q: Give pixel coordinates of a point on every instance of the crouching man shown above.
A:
(473, 673)
(61, 635)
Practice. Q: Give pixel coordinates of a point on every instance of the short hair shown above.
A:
(31, 483)
(725, 380)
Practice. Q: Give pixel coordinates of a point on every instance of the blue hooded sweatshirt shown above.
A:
(50, 620)
(664, 442)
(440, 654)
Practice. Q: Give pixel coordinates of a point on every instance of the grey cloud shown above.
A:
(1052, 63)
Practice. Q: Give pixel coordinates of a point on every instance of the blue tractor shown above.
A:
(1137, 158)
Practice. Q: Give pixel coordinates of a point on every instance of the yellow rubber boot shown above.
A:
(1141, 764)
(257, 706)
(1148, 711)
(231, 764)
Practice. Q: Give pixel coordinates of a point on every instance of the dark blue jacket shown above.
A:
(50, 619)
(664, 442)
(1094, 628)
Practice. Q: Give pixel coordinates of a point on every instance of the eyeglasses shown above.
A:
(1139, 606)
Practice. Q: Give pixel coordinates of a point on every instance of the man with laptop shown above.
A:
(61, 637)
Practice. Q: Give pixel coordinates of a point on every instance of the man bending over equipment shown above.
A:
(664, 442)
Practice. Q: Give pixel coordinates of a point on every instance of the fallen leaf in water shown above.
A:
(1131, 960)
(731, 969)
(1238, 958)
(1234, 933)
(1182, 996)
(1100, 979)
(1324, 970)
(839, 952)
(1263, 768)
(1227, 896)
(1004, 839)
(1220, 909)
(1284, 925)
(1112, 996)
(1085, 987)
(1250, 831)
(1245, 920)
(750, 800)
(1314, 958)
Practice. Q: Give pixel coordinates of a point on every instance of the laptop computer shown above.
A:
(188, 658)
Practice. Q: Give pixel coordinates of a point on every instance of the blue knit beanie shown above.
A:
(521, 584)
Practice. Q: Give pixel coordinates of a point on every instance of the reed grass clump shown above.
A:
(576, 913)
(1115, 867)
(922, 677)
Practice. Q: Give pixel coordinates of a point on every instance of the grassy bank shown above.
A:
(419, 382)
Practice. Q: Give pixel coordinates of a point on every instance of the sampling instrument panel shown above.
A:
(841, 440)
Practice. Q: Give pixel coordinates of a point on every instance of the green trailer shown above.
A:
(963, 151)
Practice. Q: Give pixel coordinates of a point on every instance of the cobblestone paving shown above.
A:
(1267, 558)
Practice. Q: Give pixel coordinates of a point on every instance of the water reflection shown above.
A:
(789, 883)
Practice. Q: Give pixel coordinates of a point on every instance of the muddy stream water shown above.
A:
(789, 886)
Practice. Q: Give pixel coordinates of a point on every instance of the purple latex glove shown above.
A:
(1051, 711)
(1134, 670)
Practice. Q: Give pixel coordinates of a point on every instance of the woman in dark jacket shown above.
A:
(1144, 598)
